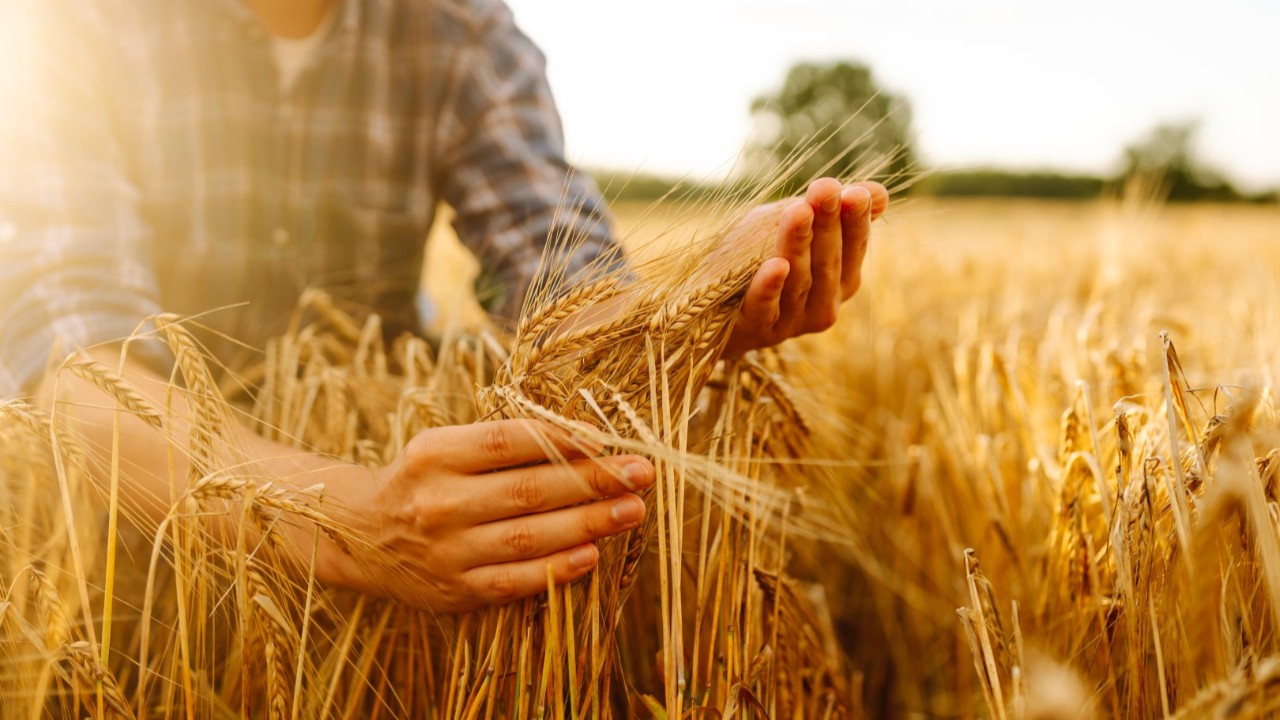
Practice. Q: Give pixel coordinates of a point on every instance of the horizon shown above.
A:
(999, 87)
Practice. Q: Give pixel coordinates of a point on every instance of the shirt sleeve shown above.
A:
(74, 251)
(533, 221)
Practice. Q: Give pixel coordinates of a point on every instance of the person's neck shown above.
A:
(292, 19)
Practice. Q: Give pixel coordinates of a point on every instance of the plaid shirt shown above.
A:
(151, 162)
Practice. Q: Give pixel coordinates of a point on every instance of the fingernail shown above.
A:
(584, 556)
(636, 474)
(859, 200)
(785, 272)
(627, 511)
(779, 282)
(831, 204)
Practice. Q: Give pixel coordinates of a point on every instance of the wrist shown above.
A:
(334, 499)
(350, 517)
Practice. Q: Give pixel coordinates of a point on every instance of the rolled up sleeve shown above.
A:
(75, 254)
(525, 213)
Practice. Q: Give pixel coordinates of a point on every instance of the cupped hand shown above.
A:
(817, 264)
(476, 515)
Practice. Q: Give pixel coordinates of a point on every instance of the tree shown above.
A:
(833, 120)
(1166, 156)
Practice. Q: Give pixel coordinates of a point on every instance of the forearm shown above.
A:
(153, 467)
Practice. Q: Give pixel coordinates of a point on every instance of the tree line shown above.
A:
(835, 119)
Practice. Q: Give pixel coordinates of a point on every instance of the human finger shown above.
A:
(503, 583)
(540, 534)
(856, 206)
(825, 253)
(549, 486)
(755, 326)
(879, 196)
(486, 446)
(760, 307)
(795, 236)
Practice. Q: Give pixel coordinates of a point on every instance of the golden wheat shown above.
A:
(819, 516)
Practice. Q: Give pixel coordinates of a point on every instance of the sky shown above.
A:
(664, 86)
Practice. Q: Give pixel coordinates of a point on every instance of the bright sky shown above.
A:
(665, 85)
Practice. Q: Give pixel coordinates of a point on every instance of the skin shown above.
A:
(479, 525)
(290, 19)
(474, 515)
(817, 265)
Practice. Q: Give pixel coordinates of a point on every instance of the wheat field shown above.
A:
(1032, 473)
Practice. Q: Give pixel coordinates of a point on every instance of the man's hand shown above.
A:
(474, 515)
(817, 263)
(466, 516)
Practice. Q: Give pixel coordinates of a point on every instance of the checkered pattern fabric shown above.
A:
(149, 161)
